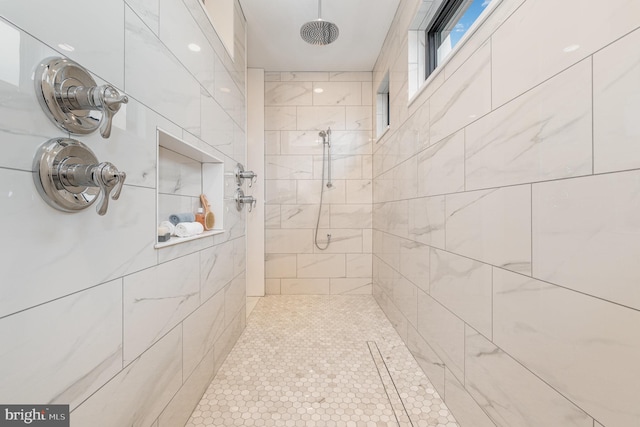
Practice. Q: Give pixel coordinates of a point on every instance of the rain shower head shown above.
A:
(319, 32)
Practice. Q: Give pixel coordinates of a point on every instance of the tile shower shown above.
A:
(91, 315)
(495, 223)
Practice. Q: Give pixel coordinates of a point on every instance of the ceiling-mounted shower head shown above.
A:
(319, 32)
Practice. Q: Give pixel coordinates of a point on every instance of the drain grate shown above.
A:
(399, 410)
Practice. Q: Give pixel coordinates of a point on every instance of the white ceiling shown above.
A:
(273, 33)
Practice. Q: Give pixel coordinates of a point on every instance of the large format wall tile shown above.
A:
(582, 346)
(544, 134)
(35, 261)
(78, 363)
(503, 214)
(181, 99)
(616, 84)
(510, 394)
(102, 53)
(200, 332)
(443, 331)
(289, 93)
(140, 392)
(466, 410)
(441, 167)
(464, 287)
(585, 235)
(523, 56)
(170, 292)
(465, 96)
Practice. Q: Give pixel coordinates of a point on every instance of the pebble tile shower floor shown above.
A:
(320, 361)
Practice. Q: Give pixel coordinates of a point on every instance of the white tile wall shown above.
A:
(294, 115)
(119, 324)
(514, 168)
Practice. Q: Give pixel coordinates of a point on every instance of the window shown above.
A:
(435, 32)
(451, 23)
(382, 107)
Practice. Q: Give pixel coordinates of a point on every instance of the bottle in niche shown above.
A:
(200, 216)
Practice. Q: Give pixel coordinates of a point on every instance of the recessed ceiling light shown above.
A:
(571, 48)
(318, 90)
(194, 47)
(66, 47)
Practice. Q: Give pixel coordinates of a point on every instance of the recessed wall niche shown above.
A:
(184, 173)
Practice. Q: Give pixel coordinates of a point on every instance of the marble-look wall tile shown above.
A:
(289, 93)
(359, 191)
(498, 383)
(288, 167)
(350, 76)
(170, 292)
(177, 30)
(301, 142)
(148, 11)
(77, 363)
(504, 214)
(358, 118)
(351, 286)
(272, 216)
(102, 54)
(140, 392)
(178, 174)
(280, 191)
(181, 406)
(584, 235)
(337, 93)
(180, 101)
(34, 260)
(414, 263)
(443, 331)
(351, 216)
(272, 286)
(304, 76)
(394, 315)
(343, 240)
(544, 134)
(217, 128)
(280, 265)
(304, 216)
(463, 286)
(428, 360)
(234, 298)
(546, 328)
(272, 142)
(216, 269)
(305, 286)
(359, 265)
(279, 118)
(616, 84)
(464, 97)
(317, 118)
(459, 401)
(405, 297)
(441, 167)
(426, 220)
(200, 331)
(288, 241)
(518, 47)
(227, 340)
(309, 192)
(321, 265)
(351, 142)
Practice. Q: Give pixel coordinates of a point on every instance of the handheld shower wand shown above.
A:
(326, 155)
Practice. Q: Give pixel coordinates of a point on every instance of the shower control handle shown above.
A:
(69, 177)
(241, 200)
(70, 96)
(250, 175)
(241, 174)
(105, 98)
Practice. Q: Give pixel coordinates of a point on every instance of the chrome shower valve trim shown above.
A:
(69, 177)
(70, 96)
